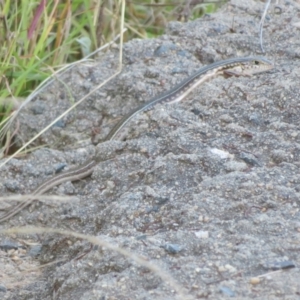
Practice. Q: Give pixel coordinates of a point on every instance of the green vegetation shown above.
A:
(38, 37)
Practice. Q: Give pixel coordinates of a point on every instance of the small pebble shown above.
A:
(255, 280)
(227, 291)
(172, 248)
(35, 250)
(3, 288)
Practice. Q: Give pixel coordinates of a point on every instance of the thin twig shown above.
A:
(261, 24)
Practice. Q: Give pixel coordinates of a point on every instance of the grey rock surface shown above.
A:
(215, 177)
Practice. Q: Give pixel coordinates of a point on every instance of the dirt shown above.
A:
(208, 189)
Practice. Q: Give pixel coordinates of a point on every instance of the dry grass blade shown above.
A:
(97, 241)
(48, 81)
(261, 24)
(43, 198)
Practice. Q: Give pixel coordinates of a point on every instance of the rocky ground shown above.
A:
(207, 190)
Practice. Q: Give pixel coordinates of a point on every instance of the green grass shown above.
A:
(38, 37)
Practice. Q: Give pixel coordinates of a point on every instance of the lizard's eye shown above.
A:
(256, 62)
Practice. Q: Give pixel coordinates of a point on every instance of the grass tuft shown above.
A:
(39, 36)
